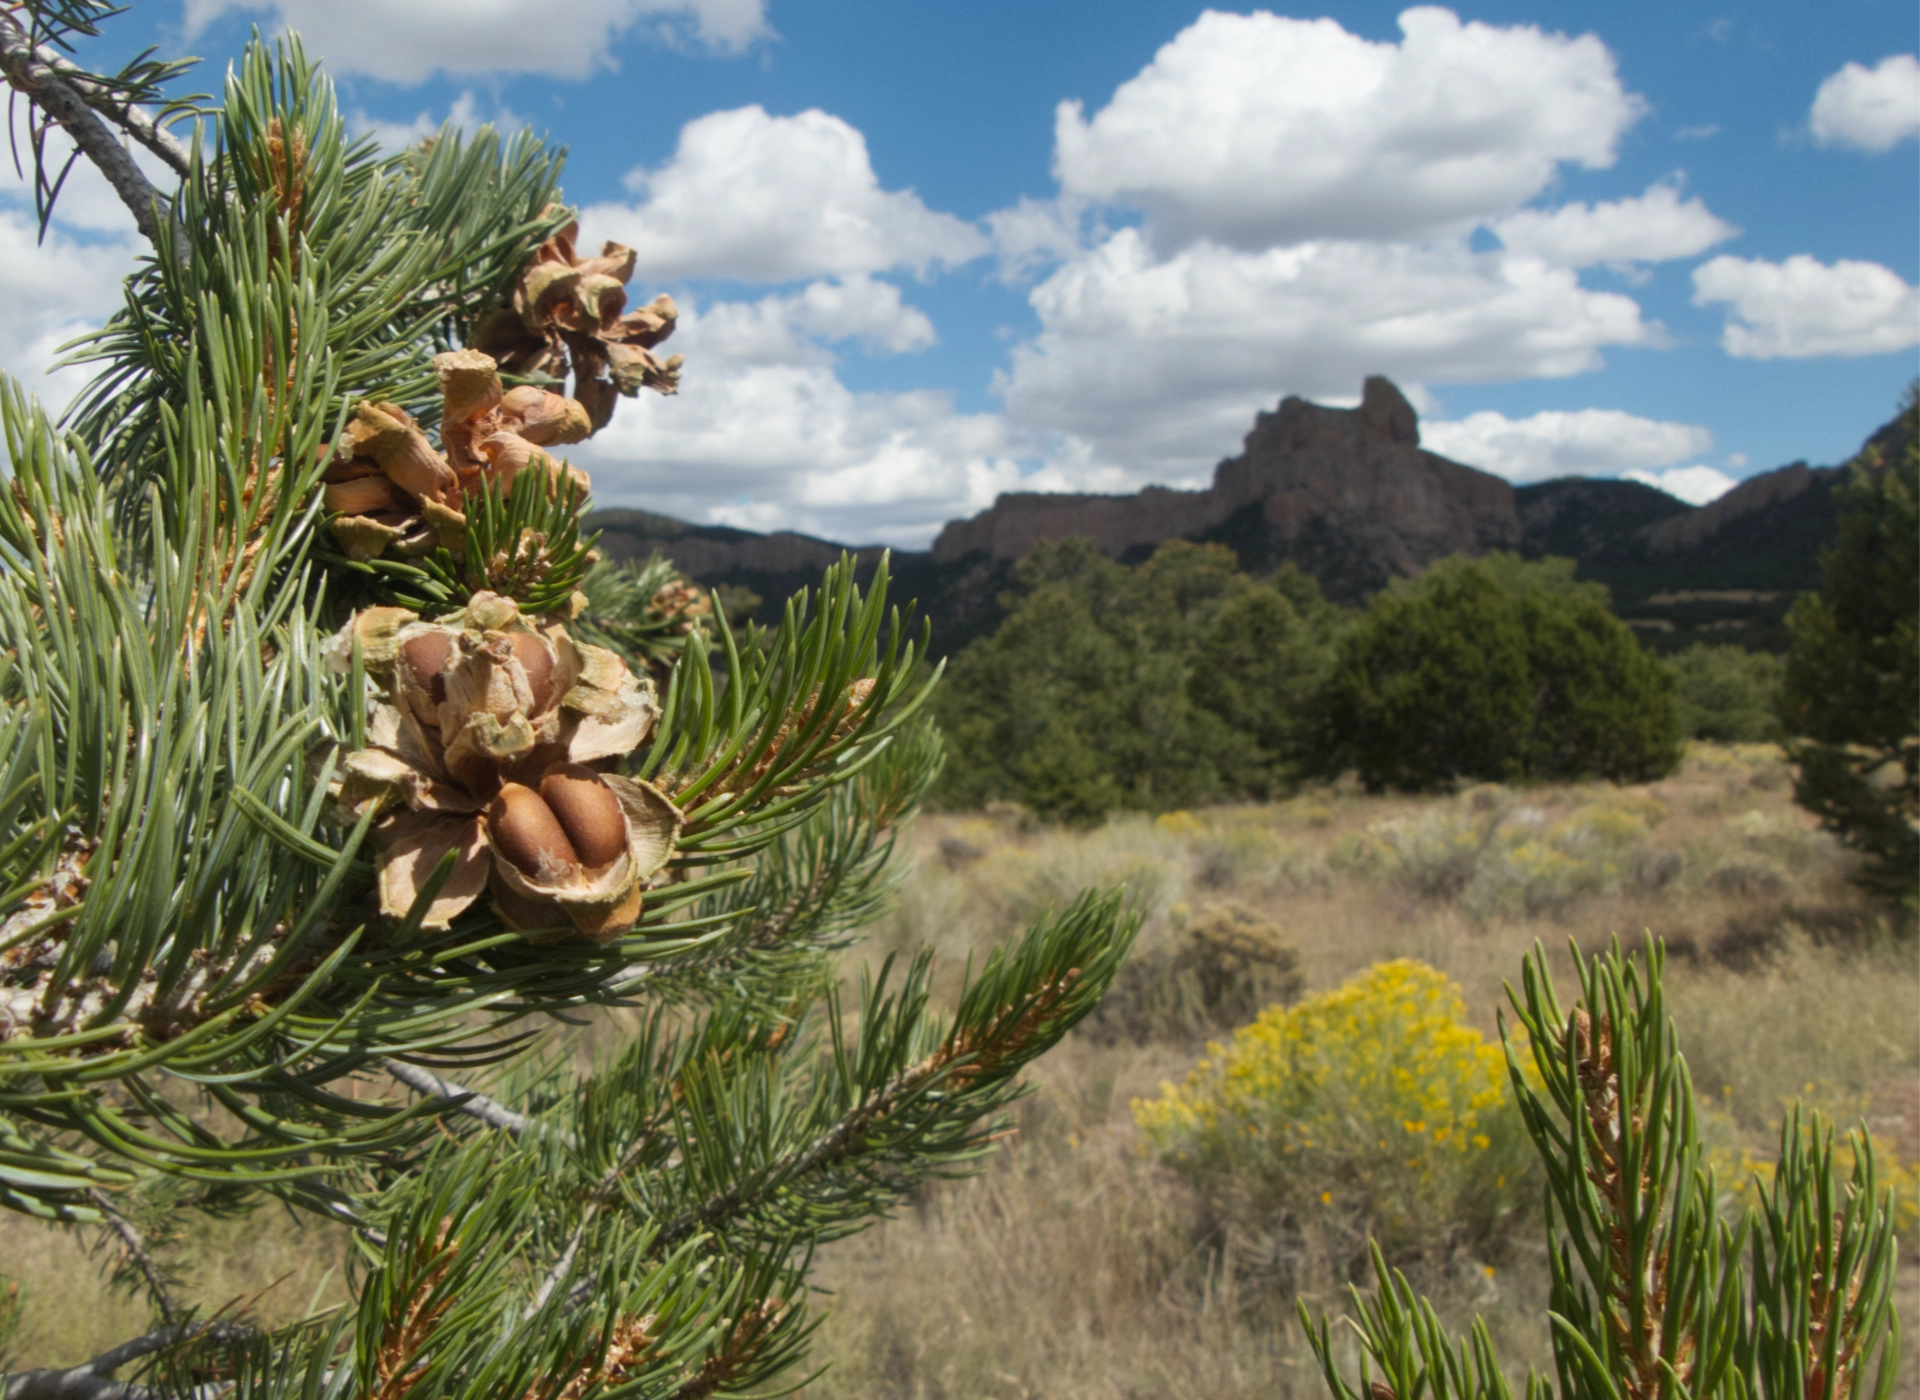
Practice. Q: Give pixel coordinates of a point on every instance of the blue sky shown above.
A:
(929, 252)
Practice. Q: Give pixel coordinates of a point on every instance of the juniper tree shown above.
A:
(1499, 670)
(336, 774)
(1848, 697)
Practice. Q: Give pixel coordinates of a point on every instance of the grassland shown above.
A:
(1074, 1265)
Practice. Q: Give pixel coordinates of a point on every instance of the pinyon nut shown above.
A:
(536, 659)
(588, 810)
(363, 496)
(526, 832)
(426, 657)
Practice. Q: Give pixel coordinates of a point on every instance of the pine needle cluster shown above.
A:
(289, 920)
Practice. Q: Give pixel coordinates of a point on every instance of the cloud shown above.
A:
(797, 329)
(1160, 363)
(760, 198)
(54, 291)
(1695, 485)
(69, 283)
(1804, 307)
(1873, 109)
(1583, 442)
(765, 435)
(1699, 132)
(1034, 233)
(1252, 130)
(1652, 227)
(405, 43)
(465, 114)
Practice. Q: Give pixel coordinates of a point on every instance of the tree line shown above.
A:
(1183, 681)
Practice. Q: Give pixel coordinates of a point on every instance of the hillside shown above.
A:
(1350, 497)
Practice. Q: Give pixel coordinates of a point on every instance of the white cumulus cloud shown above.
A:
(1257, 129)
(54, 291)
(765, 435)
(405, 43)
(1581, 442)
(1160, 363)
(1696, 485)
(761, 198)
(1803, 307)
(68, 283)
(1033, 233)
(798, 328)
(1873, 109)
(1652, 227)
(465, 113)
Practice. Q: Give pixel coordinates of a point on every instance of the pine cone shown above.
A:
(567, 313)
(393, 491)
(484, 745)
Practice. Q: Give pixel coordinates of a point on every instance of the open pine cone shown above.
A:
(395, 493)
(567, 312)
(485, 745)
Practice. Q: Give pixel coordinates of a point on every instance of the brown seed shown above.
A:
(526, 832)
(588, 810)
(363, 496)
(426, 657)
(536, 659)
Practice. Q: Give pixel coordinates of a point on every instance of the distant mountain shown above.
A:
(1349, 496)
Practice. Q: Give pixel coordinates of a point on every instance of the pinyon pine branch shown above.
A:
(127, 115)
(328, 763)
(1654, 1296)
(29, 72)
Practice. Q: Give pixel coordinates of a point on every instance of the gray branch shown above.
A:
(32, 75)
(94, 1380)
(474, 1105)
(140, 1257)
(124, 114)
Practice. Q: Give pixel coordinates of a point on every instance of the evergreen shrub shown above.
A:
(1496, 670)
(1217, 970)
(1167, 685)
(1727, 694)
(1851, 697)
(1499, 856)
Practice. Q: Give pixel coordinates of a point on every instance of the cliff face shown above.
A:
(1347, 492)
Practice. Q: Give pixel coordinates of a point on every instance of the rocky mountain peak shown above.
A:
(1346, 493)
(1385, 409)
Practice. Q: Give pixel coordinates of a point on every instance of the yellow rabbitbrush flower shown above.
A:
(1375, 1099)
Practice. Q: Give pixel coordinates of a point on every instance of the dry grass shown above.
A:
(1074, 1266)
(276, 1266)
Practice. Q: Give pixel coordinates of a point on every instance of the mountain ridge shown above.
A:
(1350, 497)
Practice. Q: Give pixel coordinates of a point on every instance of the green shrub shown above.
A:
(1849, 695)
(1727, 694)
(1498, 670)
(1216, 972)
(1088, 699)
(1260, 664)
(1375, 1104)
